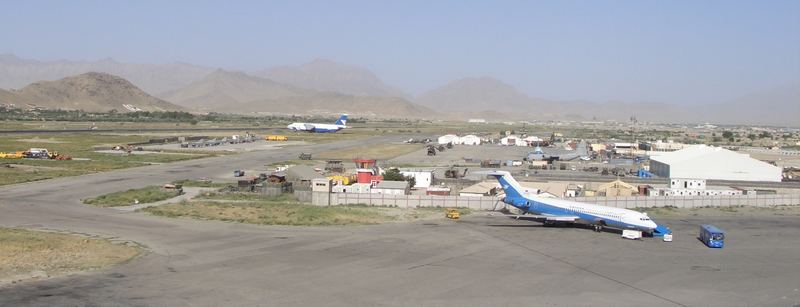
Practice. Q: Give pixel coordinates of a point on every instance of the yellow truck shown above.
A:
(276, 138)
(451, 213)
(343, 179)
(12, 155)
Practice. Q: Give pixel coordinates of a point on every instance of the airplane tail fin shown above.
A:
(509, 184)
(342, 120)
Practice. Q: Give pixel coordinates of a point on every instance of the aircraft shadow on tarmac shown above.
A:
(531, 222)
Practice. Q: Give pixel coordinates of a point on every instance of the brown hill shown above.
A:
(223, 90)
(328, 76)
(16, 72)
(93, 92)
(236, 92)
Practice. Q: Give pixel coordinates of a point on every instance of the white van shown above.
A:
(631, 234)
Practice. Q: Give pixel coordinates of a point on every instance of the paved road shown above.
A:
(478, 261)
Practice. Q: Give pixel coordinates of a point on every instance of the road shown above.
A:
(478, 261)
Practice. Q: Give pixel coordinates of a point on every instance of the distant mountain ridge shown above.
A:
(477, 95)
(92, 92)
(322, 85)
(16, 72)
(223, 89)
(328, 76)
(474, 97)
(237, 92)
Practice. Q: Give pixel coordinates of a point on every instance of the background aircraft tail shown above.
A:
(342, 120)
(509, 184)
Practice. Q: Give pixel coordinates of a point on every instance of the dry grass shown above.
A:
(79, 146)
(254, 209)
(126, 198)
(273, 213)
(25, 254)
(377, 151)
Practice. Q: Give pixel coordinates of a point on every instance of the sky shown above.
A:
(683, 52)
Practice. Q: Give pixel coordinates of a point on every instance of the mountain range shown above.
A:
(237, 92)
(16, 72)
(92, 92)
(328, 76)
(323, 86)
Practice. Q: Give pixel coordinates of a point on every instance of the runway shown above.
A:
(481, 260)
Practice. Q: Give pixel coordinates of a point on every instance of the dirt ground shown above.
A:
(27, 254)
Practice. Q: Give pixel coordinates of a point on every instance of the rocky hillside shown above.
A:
(236, 92)
(16, 72)
(93, 92)
(328, 76)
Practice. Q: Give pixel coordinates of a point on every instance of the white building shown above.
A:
(692, 187)
(706, 162)
(391, 188)
(667, 146)
(469, 140)
(422, 178)
(512, 140)
(476, 121)
(448, 138)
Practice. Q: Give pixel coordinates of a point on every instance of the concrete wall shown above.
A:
(488, 203)
(694, 201)
(414, 201)
(304, 196)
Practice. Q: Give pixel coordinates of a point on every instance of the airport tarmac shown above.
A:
(480, 260)
(477, 261)
(258, 145)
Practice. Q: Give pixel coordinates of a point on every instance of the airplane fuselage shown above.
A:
(561, 210)
(312, 127)
(586, 213)
(340, 124)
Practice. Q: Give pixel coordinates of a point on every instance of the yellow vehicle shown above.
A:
(12, 155)
(343, 179)
(451, 213)
(276, 138)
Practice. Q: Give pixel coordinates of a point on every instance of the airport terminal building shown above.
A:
(707, 162)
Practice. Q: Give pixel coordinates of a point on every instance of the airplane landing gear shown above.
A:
(598, 227)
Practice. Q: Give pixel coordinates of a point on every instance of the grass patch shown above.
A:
(79, 146)
(285, 210)
(376, 151)
(279, 211)
(25, 252)
(240, 196)
(200, 183)
(126, 198)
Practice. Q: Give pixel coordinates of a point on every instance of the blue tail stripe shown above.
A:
(507, 187)
(342, 120)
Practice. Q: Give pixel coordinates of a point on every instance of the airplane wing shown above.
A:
(309, 126)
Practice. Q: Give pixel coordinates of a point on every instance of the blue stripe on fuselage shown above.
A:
(540, 208)
(325, 130)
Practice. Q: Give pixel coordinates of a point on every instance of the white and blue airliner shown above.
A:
(311, 127)
(554, 210)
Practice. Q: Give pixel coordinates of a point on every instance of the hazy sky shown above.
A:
(668, 51)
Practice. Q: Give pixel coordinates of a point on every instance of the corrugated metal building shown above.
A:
(707, 162)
